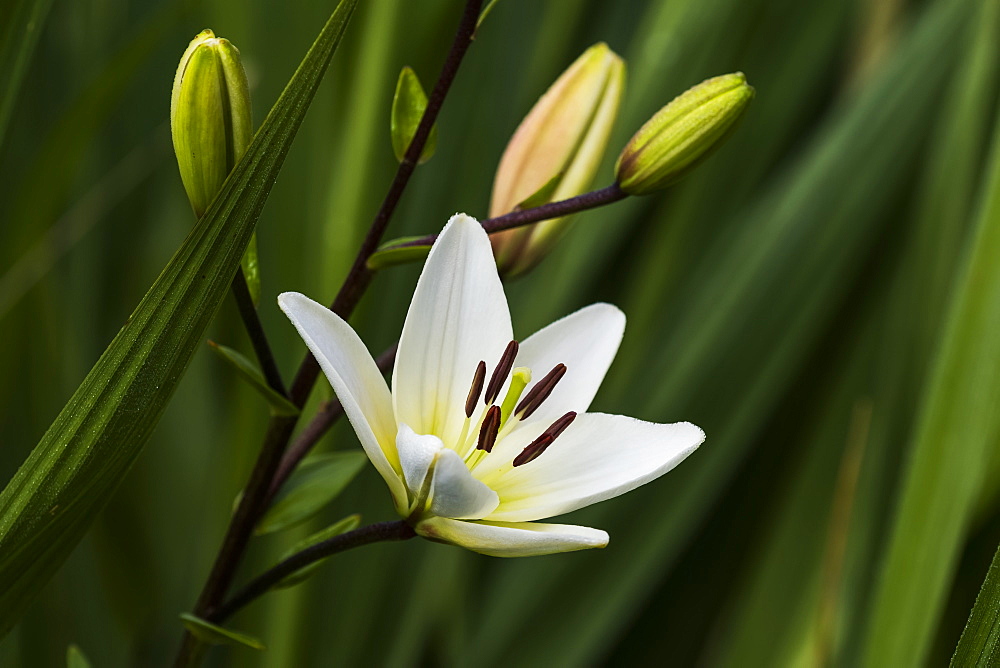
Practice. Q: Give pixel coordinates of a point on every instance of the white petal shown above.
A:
(416, 453)
(598, 457)
(458, 317)
(586, 342)
(355, 378)
(455, 493)
(524, 539)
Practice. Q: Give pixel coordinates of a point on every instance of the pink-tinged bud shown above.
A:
(555, 153)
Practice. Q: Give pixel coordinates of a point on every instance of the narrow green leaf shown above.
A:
(250, 373)
(980, 642)
(486, 10)
(316, 482)
(391, 255)
(75, 658)
(349, 523)
(955, 434)
(408, 106)
(72, 472)
(216, 635)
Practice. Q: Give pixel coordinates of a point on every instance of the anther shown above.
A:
(476, 389)
(500, 373)
(534, 449)
(540, 392)
(491, 426)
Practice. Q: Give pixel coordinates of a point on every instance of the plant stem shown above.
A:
(360, 275)
(255, 330)
(280, 429)
(591, 200)
(373, 533)
(324, 418)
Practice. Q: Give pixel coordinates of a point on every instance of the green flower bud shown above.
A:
(555, 153)
(682, 134)
(210, 116)
(212, 126)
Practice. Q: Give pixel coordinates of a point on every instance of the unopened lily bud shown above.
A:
(210, 116)
(212, 127)
(555, 153)
(682, 134)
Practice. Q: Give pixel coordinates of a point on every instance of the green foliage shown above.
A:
(75, 658)
(408, 104)
(216, 635)
(349, 523)
(249, 372)
(980, 642)
(818, 263)
(317, 481)
(71, 473)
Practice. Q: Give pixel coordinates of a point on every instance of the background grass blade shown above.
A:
(980, 642)
(79, 462)
(956, 428)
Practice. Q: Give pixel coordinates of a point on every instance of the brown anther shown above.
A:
(538, 446)
(500, 373)
(476, 389)
(540, 392)
(489, 430)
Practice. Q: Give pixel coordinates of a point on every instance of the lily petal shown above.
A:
(586, 342)
(458, 317)
(416, 454)
(455, 493)
(524, 539)
(598, 457)
(356, 380)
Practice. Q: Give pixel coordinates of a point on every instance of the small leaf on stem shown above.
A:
(349, 523)
(408, 106)
(317, 482)
(211, 634)
(249, 372)
(391, 253)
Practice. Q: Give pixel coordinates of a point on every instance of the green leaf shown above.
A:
(316, 482)
(954, 441)
(408, 106)
(216, 635)
(75, 658)
(543, 195)
(349, 523)
(391, 254)
(20, 25)
(82, 458)
(250, 373)
(980, 642)
(486, 10)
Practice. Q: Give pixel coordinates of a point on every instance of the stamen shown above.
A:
(519, 379)
(476, 389)
(500, 373)
(534, 449)
(491, 426)
(540, 392)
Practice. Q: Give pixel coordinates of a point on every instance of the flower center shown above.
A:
(497, 418)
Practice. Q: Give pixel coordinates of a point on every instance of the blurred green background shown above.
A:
(805, 296)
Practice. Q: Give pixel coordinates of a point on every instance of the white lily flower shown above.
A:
(471, 458)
